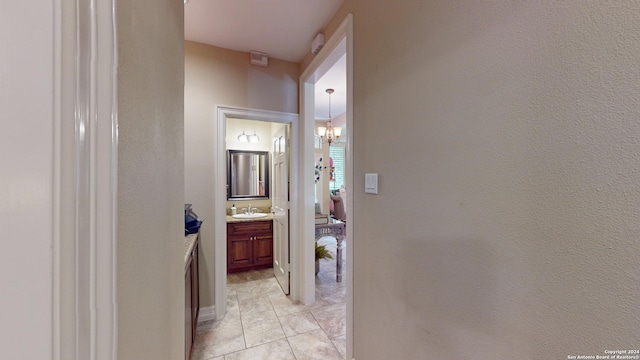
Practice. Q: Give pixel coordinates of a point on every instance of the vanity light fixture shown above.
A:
(249, 138)
(254, 138)
(243, 137)
(329, 133)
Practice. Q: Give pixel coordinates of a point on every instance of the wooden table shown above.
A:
(335, 228)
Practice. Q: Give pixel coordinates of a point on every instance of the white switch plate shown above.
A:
(371, 183)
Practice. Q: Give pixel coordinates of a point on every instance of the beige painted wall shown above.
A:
(506, 136)
(27, 179)
(216, 76)
(150, 180)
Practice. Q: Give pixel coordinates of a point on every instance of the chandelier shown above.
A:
(329, 133)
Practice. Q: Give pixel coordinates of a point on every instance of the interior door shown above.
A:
(280, 177)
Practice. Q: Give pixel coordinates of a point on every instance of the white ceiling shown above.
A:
(284, 29)
(335, 78)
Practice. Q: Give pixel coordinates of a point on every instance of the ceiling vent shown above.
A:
(317, 43)
(258, 58)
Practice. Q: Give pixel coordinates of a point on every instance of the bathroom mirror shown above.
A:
(248, 174)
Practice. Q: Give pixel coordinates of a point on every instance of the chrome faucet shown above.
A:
(249, 209)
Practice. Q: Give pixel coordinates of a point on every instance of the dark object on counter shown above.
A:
(191, 221)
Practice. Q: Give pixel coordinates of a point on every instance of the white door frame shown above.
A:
(85, 154)
(220, 200)
(318, 66)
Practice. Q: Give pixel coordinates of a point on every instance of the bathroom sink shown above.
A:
(249, 216)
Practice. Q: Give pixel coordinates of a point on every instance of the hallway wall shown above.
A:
(150, 180)
(216, 76)
(506, 139)
(27, 187)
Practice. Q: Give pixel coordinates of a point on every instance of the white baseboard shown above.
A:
(207, 313)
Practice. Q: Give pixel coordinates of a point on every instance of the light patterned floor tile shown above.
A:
(332, 319)
(326, 276)
(258, 288)
(245, 276)
(262, 323)
(331, 294)
(233, 310)
(254, 305)
(341, 344)
(261, 328)
(202, 355)
(314, 345)
(277, 350)
(284, 306)
(298, 323)
(224, 337)
(233, 314)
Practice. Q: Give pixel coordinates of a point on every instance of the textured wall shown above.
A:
(216, 76)
(150, 180)
(26, 179)
(506, 135)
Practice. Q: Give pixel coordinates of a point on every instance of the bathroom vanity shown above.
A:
(249, 244)
(249, 233)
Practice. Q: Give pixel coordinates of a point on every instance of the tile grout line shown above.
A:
(244, 337)
(270, 301)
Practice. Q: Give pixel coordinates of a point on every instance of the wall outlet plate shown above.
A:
(371, 183)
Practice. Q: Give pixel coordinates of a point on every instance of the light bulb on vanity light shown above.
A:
(254, 138)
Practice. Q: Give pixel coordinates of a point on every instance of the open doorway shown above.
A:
(339, 45)
(302, 262)
(267, 123)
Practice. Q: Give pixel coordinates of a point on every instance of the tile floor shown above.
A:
(262, 323)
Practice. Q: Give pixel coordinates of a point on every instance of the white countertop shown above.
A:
(232, 219)
(189, 242)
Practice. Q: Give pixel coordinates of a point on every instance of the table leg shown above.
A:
(339, 259)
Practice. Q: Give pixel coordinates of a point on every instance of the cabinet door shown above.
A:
(263, 249)
(249, 245)
(188, 326)
(195, 289)
(239, 252)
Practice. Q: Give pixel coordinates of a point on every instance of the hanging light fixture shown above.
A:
(249, 138)
(330, 133)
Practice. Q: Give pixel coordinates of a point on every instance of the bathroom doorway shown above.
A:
(245, 116)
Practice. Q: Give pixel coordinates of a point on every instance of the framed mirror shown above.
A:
(247, 174)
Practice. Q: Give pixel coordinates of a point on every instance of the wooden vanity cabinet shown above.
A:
(249, 245)
(191, 298)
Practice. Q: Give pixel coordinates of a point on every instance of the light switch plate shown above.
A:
(371, 183)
